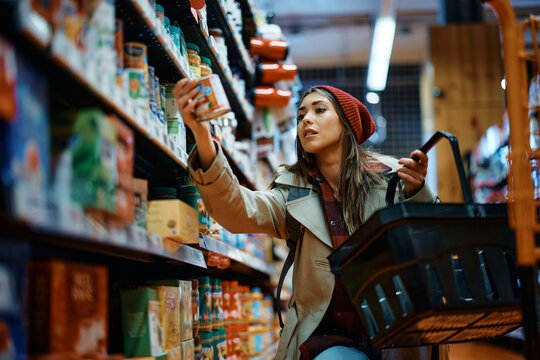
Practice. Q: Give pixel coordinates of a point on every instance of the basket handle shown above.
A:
(465, 187)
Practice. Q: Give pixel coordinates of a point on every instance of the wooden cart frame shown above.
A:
(523, 209)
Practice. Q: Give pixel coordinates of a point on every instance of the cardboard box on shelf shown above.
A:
(140, 195)
(25, 148)
(141, 326)
(175, 354)
(125, 154)
(94, 160)
(185, 309)
(125, 203)
(69, 308)
(14, 257)
(188, 349)
(169, 312)
(125, 151)
(175, 221)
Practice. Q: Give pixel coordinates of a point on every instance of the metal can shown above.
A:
(171, 105)
(212, 98)
(205, 305)
(195, 306)
(135, 80)
(207, 346)
(135, 55)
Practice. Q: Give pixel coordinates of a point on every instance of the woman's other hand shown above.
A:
(413, 172)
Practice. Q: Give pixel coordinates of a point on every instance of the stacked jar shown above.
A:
(190, 195)
(194, 59)
(206, 66)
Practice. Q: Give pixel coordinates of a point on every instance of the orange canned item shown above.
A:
(212, 98)
(269, 73)
(267, 96)
(268, 48)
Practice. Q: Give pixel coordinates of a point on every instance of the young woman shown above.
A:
(344, 184)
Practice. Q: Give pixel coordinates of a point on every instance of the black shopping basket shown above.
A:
(425, 273)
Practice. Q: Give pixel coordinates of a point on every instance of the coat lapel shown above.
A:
(307, 210)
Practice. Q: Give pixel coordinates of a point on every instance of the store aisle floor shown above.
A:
(481, 351)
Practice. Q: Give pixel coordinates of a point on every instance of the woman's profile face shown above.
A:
(319, 127)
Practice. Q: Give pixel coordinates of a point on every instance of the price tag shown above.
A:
(177, 56)
(160, 32)
(164, 138)
(155, 131)
(118, 235)
(137, 237)
(202, 241)
(156, 241)
(191, 256)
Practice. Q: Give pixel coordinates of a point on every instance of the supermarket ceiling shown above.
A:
(325, 33)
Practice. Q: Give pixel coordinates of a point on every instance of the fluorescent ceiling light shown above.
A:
(381, 46)
(381, 50)
(372, 97)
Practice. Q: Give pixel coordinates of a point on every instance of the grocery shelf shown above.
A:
(193, 33)
(181, 11)
(133, 243)
(248, 20)
(111, 100)
(281, 252)
(75, 88)
(242, 178)
(242, 257)
(141, 25)
(239, 56)
(269, 353)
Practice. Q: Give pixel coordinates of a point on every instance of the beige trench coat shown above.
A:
(241, 210)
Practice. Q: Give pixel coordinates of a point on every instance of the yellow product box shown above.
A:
(173, 220)
(186, 311)
(175, 354)
(169, 315)
(185, 307)
(188, 349)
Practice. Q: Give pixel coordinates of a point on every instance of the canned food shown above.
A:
(136, 84)
(135, 55)
(212, 98)
(171, 105)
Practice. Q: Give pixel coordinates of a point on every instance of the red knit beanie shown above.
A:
(355, 112)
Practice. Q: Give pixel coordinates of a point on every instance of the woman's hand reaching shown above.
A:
(185, 92)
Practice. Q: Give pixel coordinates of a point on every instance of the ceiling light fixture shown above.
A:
(381, 46)
(372, 97)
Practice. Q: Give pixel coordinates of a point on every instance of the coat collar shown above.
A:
(306, 210)
(286, 177)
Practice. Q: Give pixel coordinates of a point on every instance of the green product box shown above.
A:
(94, 160)
(140, 322)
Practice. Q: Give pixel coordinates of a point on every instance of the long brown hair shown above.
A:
(356, 177)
